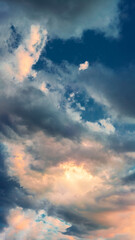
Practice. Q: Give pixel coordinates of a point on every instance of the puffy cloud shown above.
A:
(90, 197)
(84, 66)
(56, 179)
(34, 111)
(11, 193)
(29, 225)
(68, 171)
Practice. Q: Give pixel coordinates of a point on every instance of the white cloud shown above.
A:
(84, 66)
(103, 125)
(70, 18)
(20, 63)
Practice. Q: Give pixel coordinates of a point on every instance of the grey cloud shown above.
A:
(121, 143)
(49, 155)
(81, 230)
(81, 226)
(4, 11)
(31, 109)
(11, 194)
(113, 89)
(70, 18)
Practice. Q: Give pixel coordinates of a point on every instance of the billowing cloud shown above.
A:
(57, 176)
(104, 85)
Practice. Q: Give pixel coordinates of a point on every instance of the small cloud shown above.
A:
(72, 94)
(84, 66)
(43, 88)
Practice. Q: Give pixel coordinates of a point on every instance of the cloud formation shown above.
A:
(25, 225)
(104, 85)
(70, 18)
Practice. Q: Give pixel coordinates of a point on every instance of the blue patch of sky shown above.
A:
(93, 111)
(114, 53)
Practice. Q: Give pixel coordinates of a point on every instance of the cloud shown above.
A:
(84, 66)
(67, 19)
(85, 193)
(103, 126)
(31, 225)
(104, 85)
(11, 193)
(28, 106)
(27, 54)
(73, 162)
(56, 179)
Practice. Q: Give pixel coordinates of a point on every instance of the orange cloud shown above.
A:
(73, 183)
(122, 223)
(26, 225)
(68, 181)
(84, 66)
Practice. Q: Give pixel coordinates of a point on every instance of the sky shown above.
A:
(67, 120)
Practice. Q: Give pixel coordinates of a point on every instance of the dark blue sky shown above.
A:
(115, 53)
(93, 46)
